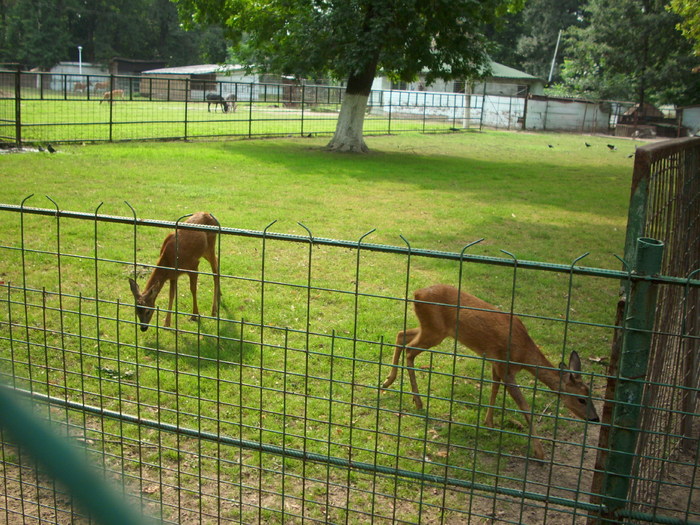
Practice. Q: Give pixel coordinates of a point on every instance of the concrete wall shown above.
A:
(690, 119)
(553, 114)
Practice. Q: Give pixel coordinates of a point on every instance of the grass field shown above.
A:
(301, 369)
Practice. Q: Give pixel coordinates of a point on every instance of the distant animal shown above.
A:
(50, 148)
(443, 311)
(112, 95)
(180, 253)
(102, 85)
(216, 99)
(550, 145)
(231, 98)
(79, 87)
(612, 147)
(587, 144)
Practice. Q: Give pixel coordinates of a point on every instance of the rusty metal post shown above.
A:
(629, 389)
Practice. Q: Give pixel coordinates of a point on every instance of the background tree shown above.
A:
(352, 40)
(37, 30)
(543, 19)
(630, 50)
(41, 33)
(528, 38)
(689, 25)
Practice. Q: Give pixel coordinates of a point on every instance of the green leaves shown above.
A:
(341, 38)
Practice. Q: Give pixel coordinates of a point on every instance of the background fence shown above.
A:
(45, 107)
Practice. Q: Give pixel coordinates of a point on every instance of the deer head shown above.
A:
(145, 303)
(574, 392)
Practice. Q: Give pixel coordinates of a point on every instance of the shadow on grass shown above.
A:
(210, 342)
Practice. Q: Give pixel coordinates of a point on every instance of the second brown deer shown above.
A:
(501, 338)
(180, 253)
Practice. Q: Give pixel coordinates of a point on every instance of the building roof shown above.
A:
(201, 69)
(505, 72)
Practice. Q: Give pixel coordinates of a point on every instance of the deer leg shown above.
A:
(411, 355)
(401, 339)
(193, 290)
(495, 385)
(421, 341)
(211, 257)
(523, 405)
(171, 298)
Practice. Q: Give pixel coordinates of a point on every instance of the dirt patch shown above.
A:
(256, 495)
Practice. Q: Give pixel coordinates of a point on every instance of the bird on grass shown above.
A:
(587, 144)
(612, 147)
(50, 148)
(550, 145)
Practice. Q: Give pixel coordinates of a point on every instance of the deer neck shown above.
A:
(156, 282)
(543, 369)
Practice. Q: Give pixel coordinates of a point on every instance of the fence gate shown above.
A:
(664, 205)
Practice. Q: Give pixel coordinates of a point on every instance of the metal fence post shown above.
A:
(18, 106)
(628, 400)
(187, 96)
(303, 96)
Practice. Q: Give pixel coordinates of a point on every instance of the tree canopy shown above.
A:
(689, 25)
(351, 40)
(630, 50)
(611, 49)
(41, 33)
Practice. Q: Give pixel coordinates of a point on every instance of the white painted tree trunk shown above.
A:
(348, 130)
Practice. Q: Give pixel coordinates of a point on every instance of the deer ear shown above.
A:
(570, 373)
(134, 288)
(574, 361)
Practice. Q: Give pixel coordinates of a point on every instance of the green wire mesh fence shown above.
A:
(271, 409)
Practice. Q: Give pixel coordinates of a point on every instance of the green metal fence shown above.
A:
(40, 108)
(664, 204)
(272, 411)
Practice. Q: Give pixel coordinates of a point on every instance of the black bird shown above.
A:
(630, 155)
(40, 148)
(50, 148)
(455, 129)
(587, 144)
(611, 147)
(550, 145)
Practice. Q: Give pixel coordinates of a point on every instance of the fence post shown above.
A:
(250, 111)
(629, 389)
(303, 96)
(18, 106)
(187, 96)
(111, 107)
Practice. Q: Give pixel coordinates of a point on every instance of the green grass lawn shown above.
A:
(301, 370)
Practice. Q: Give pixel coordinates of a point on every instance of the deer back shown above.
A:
(476, 324)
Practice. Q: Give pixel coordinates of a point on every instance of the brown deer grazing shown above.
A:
(180, 253)
(112, 95)
(497, 336)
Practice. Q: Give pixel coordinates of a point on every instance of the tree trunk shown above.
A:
(348, 130)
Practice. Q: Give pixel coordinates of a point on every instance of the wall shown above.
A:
(73, 71)
(553, 114)
(690, 118)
